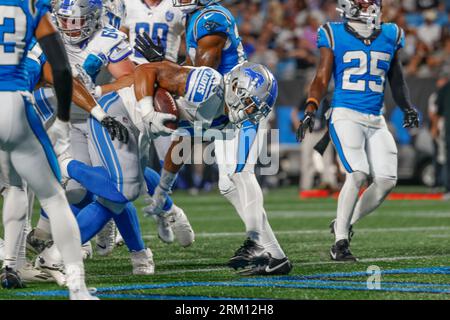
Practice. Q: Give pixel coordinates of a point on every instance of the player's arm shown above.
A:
(123, 82)
(209, 50)
(121, 69)
(400, 93)
(317, 91)
(54, 50)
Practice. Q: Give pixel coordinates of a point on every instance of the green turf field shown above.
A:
(408, 240)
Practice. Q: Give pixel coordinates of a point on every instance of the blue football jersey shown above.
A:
(211, 20)
(360, 65)
(18, 22)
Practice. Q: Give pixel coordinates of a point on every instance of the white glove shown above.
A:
(155, 122)
(159, 199)
(59, 134)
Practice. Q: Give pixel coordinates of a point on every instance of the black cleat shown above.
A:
(273, 267)
(249, 253)
(11, 279)
(37, 245)
(340, 251)
(332, 227)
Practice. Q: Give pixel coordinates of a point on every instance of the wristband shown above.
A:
(98, 92)
(146, 105)
(98, 113)
(314, 102)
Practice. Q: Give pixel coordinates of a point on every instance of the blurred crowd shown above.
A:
(282, 33)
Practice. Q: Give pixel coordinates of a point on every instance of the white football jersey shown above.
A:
(163, 21)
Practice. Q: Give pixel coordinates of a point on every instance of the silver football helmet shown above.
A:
(77, 20)
(250, 93)
(368, 11)
(187, 6)
(114, 12)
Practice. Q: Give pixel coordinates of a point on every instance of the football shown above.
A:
(165, 103)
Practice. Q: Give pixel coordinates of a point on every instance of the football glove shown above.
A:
(411, 118)
(307, 124)
(115, 129)
(151, 51)
(155, 121)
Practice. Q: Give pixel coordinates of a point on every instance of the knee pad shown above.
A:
(358, 178)
(226, 185)
(115, 207)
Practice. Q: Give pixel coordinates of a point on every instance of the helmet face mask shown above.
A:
(77, 20)
(250, 93)
(368, 11)
(187, 6)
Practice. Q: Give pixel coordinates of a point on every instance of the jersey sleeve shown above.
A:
(41, 7)
(120, 52)
(211, 22)
(324, 37)
(400, 40)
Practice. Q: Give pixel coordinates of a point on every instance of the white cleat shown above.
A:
(28, 273)
(51, 262)
(165, 232)
(181, 227)
(86, 250)
(76, 284)
(142, 262)
(105, 240)
(119, 240)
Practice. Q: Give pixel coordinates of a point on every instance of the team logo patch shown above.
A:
(257, 77)
(169, 16)
(211, 25)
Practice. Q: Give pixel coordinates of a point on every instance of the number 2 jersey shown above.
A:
(360, 64)
(163, 21)
(18, 22)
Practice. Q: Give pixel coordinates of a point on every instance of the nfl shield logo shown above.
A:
(169, 16)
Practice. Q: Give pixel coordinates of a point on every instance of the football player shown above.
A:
(91, 46)
(360, 53)
(212, 40)
(23, 137)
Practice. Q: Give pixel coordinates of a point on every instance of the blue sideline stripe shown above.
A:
(40, 133)
(339, 149)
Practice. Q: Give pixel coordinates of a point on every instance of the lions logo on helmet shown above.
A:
(368, 11)
(250, 93)
(187, 6)
(77, 20)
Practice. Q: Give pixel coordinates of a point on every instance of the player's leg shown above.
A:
(349, 139)
(382, 155)
(34, 159)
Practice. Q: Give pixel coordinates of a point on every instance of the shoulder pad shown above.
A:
(325, 36)
(106, 41)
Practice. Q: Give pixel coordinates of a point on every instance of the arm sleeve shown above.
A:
(211, 22)
(399, 88)
(62, 76)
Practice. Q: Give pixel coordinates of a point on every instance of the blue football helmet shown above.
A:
(250, 93)
(368, 11)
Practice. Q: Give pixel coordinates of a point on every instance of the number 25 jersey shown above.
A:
(360, 64)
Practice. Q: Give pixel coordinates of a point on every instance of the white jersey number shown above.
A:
(13, 27)
(361, 69)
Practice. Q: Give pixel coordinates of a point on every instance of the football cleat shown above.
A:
(29, 273)
(75, 283)
(142, 262)
(332, 227)
(250, 253)
(38, 240)
(181, 227)
(10, 279)
(105, 240)
(50, 261)
(165, 232)
(273, 267)
(86, 250)
(340, 251)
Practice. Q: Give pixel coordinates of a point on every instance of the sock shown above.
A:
(152, 180)
(269, 241)
(92, 219)
(128, 224)
(15, 209)
(228, 190)
(96, 180)
(346, 203)
(372, 197)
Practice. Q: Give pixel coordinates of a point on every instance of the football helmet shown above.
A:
(368, 11)
(187, 6)
(77, 20)
(250, 93)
